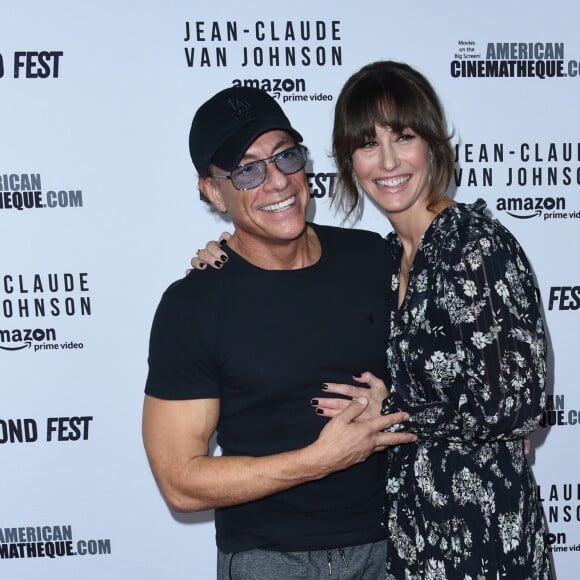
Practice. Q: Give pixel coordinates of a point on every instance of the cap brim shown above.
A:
(228, 156)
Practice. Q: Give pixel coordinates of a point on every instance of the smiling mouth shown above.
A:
(393, 181)
(280, 206)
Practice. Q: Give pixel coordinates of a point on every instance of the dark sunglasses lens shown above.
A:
(249, 176)
(291, 160)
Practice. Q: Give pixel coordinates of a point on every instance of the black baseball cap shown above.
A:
(226, 125)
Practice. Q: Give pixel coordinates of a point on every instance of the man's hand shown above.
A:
(375, 393)
(344, 441)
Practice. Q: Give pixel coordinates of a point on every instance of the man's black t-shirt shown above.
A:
(263, 342)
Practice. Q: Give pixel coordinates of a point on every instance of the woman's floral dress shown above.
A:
(466, 359)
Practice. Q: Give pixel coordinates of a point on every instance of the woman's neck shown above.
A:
(413, 223)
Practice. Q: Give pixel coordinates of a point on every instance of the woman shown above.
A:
(466, 349)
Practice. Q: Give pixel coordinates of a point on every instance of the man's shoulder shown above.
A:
(360, 249)
(349, 235)
(196, 285)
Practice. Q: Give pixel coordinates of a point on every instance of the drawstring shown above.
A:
(329, 559)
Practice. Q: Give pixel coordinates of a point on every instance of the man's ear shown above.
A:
(208, 186)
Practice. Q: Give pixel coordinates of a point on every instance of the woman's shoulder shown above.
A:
(468, 231)
(470, 222)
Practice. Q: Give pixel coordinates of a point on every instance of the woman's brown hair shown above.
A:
(393, 94)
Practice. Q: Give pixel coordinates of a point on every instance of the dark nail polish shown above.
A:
(314, 402)
(324, 386)
(358, 376)
(319, 411)
(218, 264)
(223, 242)
(224, 258)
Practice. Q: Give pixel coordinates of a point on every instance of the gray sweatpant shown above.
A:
(364, 562)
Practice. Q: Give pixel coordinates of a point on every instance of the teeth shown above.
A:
(393, 182)
(280, 206)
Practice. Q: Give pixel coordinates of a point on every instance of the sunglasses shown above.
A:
(252, 175)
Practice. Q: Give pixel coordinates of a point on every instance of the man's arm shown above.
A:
(177, 434)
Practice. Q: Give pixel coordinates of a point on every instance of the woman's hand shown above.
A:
(212, 255)
(375, 394)
(527, 445)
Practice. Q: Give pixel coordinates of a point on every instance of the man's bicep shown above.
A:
(174, 433)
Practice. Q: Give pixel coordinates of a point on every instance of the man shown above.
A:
(243, 351)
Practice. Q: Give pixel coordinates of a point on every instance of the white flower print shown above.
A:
(481, 340)
(502, 290)
(469, 288)
(467, 359)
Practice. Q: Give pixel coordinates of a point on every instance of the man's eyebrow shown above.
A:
(249, 157)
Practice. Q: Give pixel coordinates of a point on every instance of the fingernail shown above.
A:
(358, 376)
(314, 402)
(223, 242)
(324, 386)
(319, 411)
(223, 258)
(218, 264)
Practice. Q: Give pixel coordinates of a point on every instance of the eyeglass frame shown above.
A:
(267, 160)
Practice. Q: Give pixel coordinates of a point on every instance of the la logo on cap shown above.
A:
(239, 107)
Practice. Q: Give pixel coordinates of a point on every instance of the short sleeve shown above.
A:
(181, 359)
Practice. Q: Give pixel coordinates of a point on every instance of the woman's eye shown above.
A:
(406, 135)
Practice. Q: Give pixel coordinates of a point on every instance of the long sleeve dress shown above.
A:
(466, 358)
